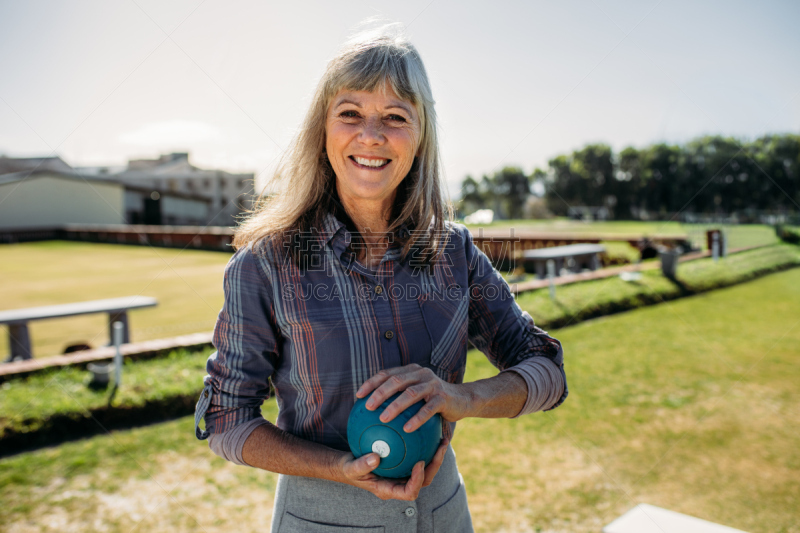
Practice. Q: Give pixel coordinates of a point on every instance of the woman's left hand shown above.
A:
(417, 383)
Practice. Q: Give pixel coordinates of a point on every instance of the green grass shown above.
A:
(580, 301)
(187, 284)
(688, 405)
(58, 404)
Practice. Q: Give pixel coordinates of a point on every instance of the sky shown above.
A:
(515, 83)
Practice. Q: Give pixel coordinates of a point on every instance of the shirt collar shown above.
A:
(335, 230)
(331, 227)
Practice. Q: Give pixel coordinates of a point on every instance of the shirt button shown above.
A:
(389, 335)
(378, 290)
(410, 511)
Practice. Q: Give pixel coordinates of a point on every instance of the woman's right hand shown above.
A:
(358, 472)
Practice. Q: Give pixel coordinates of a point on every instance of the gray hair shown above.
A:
(302, 186)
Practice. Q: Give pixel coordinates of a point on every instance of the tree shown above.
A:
(512, 187)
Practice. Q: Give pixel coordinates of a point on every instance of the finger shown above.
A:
(399, 379)
(389, 489)
(434, 404)
(378, 379)
(414, 483)
(363, 465)
(410, 396)
(436, 463)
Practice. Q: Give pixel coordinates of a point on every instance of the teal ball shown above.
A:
(399, 450)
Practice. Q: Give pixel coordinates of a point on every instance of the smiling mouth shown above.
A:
(370, 164)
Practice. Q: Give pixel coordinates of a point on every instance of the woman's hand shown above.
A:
(358, 472)
(451, 401)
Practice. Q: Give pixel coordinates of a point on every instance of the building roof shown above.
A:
(174, 165)
(37, 173)
(10, 165)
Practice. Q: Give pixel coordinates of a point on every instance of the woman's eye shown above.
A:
(348, 114)
(397, 118)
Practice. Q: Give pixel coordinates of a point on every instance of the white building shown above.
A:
(47, 192)
(46, 198)
(229, 194)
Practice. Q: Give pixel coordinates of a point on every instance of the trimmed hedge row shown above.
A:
(788, 234)
(592, 299)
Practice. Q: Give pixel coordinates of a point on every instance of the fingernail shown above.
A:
(372, 460)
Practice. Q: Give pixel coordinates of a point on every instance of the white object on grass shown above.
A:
(551, 274)
(118, 332)
(630, 276)
(481, 216)
(646, 518)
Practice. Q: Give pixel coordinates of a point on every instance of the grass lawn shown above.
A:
(58, 405)
(691, 405)
(579, 301)
(187, 284)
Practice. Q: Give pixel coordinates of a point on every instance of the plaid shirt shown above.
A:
(319, 333)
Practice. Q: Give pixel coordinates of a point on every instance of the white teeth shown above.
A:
(370, 162)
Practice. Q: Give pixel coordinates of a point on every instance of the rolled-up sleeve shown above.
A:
(245, 337)
(501, 329)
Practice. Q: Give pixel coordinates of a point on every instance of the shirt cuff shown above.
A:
(229, 444)
(545, 383)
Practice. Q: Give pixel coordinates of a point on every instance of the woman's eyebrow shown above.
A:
(346, 101)
(400, 106)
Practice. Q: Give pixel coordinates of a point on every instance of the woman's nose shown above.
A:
(372, 132)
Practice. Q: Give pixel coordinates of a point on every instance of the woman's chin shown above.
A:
(369, 192)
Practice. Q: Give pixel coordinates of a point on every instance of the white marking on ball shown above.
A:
(381, 448)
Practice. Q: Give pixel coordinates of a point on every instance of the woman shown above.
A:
(348, 282)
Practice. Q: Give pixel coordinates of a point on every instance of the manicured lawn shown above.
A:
(579, 301)
(690, 405)
(187, 284)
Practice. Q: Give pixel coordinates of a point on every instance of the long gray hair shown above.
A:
(303, 186)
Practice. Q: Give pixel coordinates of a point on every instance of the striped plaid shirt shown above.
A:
(319, 333)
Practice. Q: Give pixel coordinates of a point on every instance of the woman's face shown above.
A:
(371, 140)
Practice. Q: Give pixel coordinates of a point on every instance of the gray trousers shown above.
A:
(310, 505)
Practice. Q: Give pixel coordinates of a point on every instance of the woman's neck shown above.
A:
(371, 218)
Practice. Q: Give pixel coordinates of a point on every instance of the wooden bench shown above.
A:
(575, 257)
(19, 340)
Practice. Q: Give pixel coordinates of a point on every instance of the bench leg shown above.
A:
(19, 342)
(118, 317)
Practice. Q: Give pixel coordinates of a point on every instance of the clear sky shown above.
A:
(515, 82)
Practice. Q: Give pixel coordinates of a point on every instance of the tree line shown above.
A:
(708, 175)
